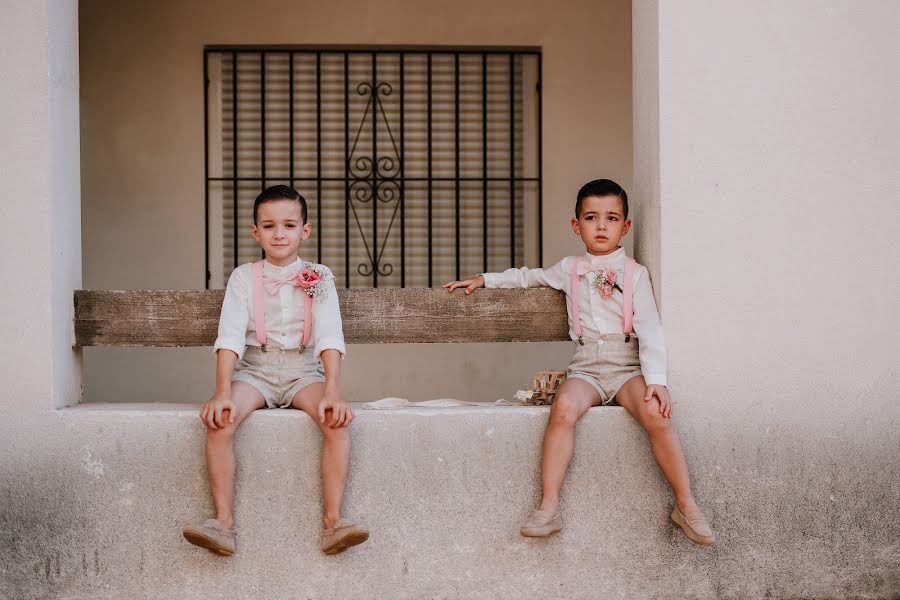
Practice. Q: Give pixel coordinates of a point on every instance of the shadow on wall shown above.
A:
(369, 372)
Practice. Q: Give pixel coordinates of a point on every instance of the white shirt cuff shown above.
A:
(331, 343)
(236, 346)
(654, 379)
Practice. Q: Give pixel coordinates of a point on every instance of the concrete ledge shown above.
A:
(94, 498)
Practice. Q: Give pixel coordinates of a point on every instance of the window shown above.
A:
(418, 165)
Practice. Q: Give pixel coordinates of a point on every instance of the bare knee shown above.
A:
(565, 411)
(651, 419)
(336, 434)
(222, 434)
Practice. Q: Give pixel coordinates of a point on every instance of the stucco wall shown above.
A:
(647, 231)
(786, 393)
(39, 205)
(95, 512)
(778, 196)
(142, 160)
(776, 137)
(24, 164)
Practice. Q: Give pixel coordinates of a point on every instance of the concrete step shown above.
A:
(97, 512)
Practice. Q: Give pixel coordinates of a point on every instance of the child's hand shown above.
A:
(341, 413)
(662, 394)
(212, 413)
(471, 284)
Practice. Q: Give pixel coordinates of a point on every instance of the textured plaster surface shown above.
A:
(92, 502)
(757, 126)
(787, 392)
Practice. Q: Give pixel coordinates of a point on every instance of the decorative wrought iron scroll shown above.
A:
(374, 178)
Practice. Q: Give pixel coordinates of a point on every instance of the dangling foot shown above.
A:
(342, 536)
(695, 526)
(541, 524)
(211, 535)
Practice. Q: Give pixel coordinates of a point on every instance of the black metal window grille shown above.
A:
(418, 165)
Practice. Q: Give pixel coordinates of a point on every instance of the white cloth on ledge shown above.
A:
(390, 403)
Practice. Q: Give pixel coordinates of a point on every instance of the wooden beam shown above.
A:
(418, 315)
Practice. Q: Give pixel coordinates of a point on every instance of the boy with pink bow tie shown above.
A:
(280, 345)
(620, 353)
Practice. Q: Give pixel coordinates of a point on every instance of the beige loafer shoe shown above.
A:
(342, 536)
(541, 524)
(695, 527)
(211, 535)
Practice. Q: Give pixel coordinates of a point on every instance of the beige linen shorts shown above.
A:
(606, 363)
(278, 374)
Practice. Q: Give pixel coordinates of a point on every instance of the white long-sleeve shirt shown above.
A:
(284, 311)
(601, 315)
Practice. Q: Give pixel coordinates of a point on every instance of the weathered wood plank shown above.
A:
(190, 318)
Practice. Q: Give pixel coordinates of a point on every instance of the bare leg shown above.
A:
(663, 440)
(335, 453)
(220, 451)
(574, 398)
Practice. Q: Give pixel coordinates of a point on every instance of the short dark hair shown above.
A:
(279, 192)
(601, 187)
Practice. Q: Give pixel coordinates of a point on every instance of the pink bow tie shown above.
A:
(585, 267)
(274, 283)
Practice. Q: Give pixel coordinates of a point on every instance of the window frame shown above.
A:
(532, 229)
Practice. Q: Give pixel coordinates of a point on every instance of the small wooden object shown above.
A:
(545, 385)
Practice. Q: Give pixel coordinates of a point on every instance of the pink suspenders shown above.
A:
(259, 312)
(573, 298)
(627, 296)
(259, 309)
(627, 300)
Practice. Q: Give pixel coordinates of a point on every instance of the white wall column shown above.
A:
(778, 135)
(65, 196)
(766, 145)
(39, 205)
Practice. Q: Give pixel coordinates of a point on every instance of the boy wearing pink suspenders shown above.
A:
(619, 354)
(280, 345)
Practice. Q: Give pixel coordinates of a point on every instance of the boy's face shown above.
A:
(601, 224)
(279, 230)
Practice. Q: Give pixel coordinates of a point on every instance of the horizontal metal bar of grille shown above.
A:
(418, 165)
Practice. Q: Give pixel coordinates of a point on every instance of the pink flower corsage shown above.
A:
(309, 278)
(605, 282)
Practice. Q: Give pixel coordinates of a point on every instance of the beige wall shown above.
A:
(778, 185)
(39, 206)
(25, 193)
(647, 232)
(786, 389)
(767, 137)
(142, 159)
(771, 134)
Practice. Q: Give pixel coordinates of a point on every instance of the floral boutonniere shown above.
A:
(605, 282)
(309, 280)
